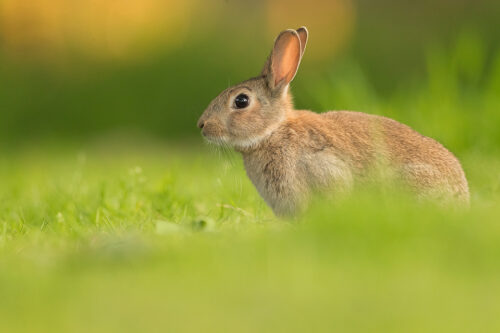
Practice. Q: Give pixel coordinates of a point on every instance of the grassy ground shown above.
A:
(175, 238)
(156, 237)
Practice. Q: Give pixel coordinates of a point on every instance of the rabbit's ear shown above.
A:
(284, 61)
(303, 33)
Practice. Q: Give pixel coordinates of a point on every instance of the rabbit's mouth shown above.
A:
(216, 139)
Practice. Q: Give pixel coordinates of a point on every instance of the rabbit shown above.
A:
(288, 153)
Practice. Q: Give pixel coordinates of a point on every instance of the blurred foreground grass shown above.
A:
(159, 237)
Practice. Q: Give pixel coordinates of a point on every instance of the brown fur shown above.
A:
(289, 153)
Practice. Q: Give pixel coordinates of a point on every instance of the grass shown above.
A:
(154, 236)
(163, 237)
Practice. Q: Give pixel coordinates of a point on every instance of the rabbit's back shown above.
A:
(419, 161)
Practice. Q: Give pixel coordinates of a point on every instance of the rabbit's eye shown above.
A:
(241, 101)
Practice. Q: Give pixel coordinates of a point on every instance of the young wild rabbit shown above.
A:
(289, 153)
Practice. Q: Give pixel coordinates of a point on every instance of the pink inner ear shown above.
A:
(286, 57)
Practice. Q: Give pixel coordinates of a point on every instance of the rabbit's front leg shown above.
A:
(278, 185)
(285, 202)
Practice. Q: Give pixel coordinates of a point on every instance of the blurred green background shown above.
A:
(116, 217)
(80, 69)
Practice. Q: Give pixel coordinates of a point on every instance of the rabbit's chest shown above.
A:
(278, 175)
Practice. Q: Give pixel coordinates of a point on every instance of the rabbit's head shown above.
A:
(242, 115)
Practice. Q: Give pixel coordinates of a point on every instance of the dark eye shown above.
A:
(241, 101)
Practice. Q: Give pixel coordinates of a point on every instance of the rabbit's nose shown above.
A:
(201, 124)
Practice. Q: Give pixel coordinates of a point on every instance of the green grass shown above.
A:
(164, 237)
(152, 236)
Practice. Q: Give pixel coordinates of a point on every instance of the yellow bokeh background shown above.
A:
(128, 29)
(97, 28)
